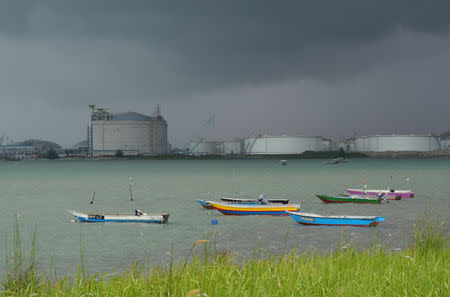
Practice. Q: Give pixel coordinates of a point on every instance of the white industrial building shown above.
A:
(384, 143)
(347, 145)
(263, 145)
(267, 145)
(233, 147)
(204, 148)
(130, 132)
(327, 144)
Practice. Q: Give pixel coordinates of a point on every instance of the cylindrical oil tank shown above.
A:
(412, 142)
(205, 148)
(129, 132)
(445, 140)
(326, 144)
(219, 147)
(347, 145)
(350, 145)
(361, 144)
(282, 144)
(232, 147)
(445, 144)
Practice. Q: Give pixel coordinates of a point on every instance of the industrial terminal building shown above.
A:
(393, 142)
(130, 132)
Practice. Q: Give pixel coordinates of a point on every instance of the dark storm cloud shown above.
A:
(231, 42)
(261, 66)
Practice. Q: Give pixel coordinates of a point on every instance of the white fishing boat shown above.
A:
(137, 217)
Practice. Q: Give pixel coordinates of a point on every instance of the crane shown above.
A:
(199, 136)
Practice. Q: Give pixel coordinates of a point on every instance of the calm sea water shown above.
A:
(41, 192)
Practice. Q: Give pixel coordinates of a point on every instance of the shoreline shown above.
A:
(306, 155)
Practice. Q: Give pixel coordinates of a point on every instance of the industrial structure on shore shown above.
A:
(396, 143)
(131, 133)
(28, 149)
(263, 145)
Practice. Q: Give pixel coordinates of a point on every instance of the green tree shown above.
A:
(119, 154)
(51, 154)
(341, 153)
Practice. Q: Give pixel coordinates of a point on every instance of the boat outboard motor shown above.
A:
(381, 196)
(137, 212)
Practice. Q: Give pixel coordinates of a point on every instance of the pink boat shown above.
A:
(388, 192)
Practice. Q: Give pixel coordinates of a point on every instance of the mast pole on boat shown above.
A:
(131, 189)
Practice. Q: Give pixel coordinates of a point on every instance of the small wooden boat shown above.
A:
(137, 217)
(205, 204)
(252, 200)
(331, 162)
(348, 199)
(316, 219)
(247, 209)
(387, 193)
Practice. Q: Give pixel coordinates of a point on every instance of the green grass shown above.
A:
(420, 270)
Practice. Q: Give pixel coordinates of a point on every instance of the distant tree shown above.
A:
(119, 154)
(51, 154)
(341, 153)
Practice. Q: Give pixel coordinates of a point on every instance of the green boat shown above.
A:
(348, 199)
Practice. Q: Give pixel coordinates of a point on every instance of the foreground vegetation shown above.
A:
(420, 270)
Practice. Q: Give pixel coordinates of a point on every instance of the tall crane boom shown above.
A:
(199, 136)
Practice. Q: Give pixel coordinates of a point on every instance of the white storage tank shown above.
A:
(445, 144)
(219, 147)
(204, 148)
(347, 145)
(361, 144)
(412, 142)
(326, 144)
(232, 147)
(130, 132)
(445, 140)
(282, 144)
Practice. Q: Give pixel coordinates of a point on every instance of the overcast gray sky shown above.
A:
(330, 68)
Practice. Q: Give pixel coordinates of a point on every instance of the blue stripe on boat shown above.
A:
(309, 220)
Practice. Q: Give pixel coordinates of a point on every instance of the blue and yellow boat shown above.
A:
(252, 209)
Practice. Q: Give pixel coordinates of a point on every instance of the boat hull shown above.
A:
(319, 220)
(243, 209)
(85, 217)
(252, 201)
(387, 193)
(205, 204)
(396, 197)
(349, 199)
